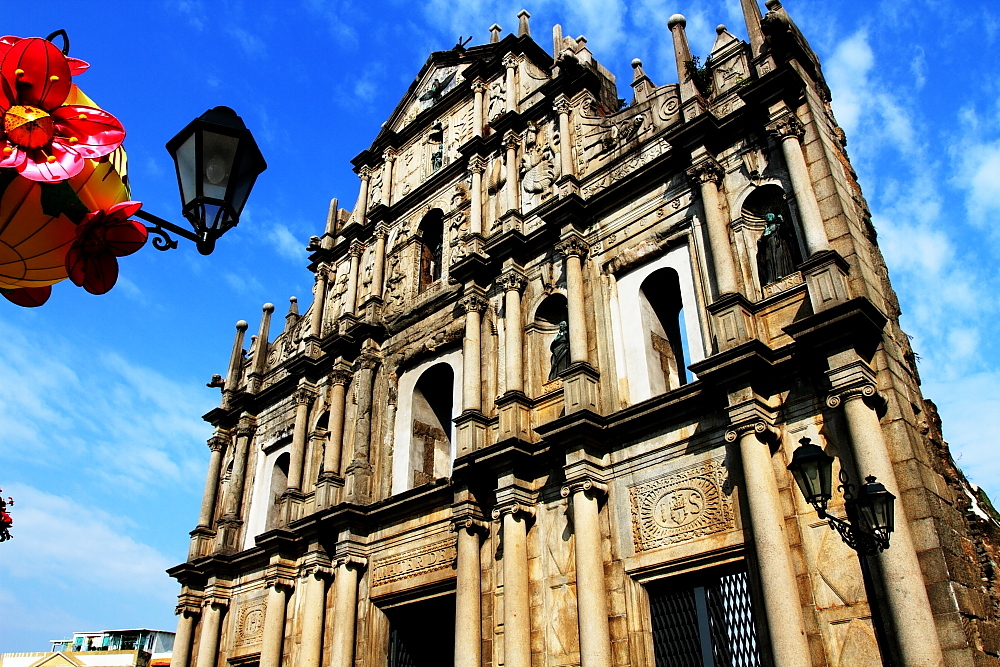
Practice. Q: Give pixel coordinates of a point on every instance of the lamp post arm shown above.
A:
(160, 227)
(855, 539)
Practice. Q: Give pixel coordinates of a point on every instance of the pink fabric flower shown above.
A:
(101, 238)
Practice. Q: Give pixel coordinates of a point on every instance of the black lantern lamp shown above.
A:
(217, 162)
(869, 514)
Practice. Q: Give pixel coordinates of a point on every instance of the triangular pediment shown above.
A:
(57, 659)
(439, 75)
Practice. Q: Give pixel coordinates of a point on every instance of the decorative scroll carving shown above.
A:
(415, 562)
(680, 506)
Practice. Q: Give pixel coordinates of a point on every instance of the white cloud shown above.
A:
(847, 76)
(286, 244)
(251, 44)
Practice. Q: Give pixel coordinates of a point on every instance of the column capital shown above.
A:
(477, 164)
(512, 507)
(708, 170)
(367, 360)
(216, 601)
(470, 524)
(786, 125)
(189, 603)
(365, 173)
(511, 140)
(304, 394)
(340, 375)
(389, 154)
(855, 379)
(585, 484)
(473, 302)
(512, 280)
(381, 230)
(220, 439)
(315, 563)
(573, 246)
(357, 248)
(479, 86)
(750, 414)
(246, 427)
(510, 61)
(352, 560)
(759, 429)
(561, 104)
(323, 271)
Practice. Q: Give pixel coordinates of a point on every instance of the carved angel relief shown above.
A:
(539, 169)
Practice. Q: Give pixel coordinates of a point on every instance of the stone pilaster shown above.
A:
(478, 89)
(234, 374)
(359, 471)
(515, 507)
(511, 142)
(349, 312)
(362, 205)
(331, 480)
(580, 380)
(304, 396)
(471, 427)
(707, 174)
(468, 610)
(232, 520)
(510, 65)
(314, 573)
(345, 610)
(567, 179)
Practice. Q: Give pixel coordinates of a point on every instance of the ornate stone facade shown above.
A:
(401, 476)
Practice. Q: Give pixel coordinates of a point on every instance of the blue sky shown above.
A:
(101, 439)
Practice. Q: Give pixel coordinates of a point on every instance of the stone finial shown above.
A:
(773, 5)
(242, 325)
(331, 217)
(495, 33)
(293, 305)
(719, 29)
(637, 72)
(523, 29)
(676, 20)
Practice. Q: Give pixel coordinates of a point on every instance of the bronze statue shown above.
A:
(775, 255)
(560, 352)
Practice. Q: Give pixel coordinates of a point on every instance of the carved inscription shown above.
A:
(423, 560)
(250, 626)
(681, 506)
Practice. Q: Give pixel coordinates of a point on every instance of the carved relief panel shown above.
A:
(250, 622)
(539, 166)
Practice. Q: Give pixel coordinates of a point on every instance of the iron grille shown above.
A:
(398, 655)
(706, 625)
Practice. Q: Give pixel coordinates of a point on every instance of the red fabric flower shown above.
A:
(28, 297)
(101, 238)
(41, 136)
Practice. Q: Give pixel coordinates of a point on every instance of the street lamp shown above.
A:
(870, 519)
(217, 163)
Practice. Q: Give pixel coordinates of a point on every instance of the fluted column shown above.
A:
(217, 443)
(378, 264)
(345, 611)
(319, 301)
(510, 64)
(908, 605)
(390, 158)
(562, 107)
(211, 622)
(516, 597)
(591, 594)
(340, 377)
(788, 131)
(359, 471)
(468, 605)
(574, 249)
(511, 141)
(304, 396)
(244, 434)
(362, 206)
(513, 282)
(473, 304)
(182, 639)
(351, 296)
(313, 587)
(259, 362)
(708, 174)
(235, 371)
(774, 558)
(477, 166)
(273, 638)
(478, 89)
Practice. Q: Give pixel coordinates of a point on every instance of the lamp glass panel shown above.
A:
(187, 169)
(883, 511)
(218, 154)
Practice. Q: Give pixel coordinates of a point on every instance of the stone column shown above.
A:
(313, 587)
(513, 282)
(510, 63)
(468, 603)
(319, 301)
(273, 639)
(591, 595)
(182, 640)
(562, 107)
(473, 304)
(351, 296)
(235, 371)
(788, 131)
(906, 596)
(477, 166)
(345, 611)
(259, 362)
(516, 599)
(707, 173)
(751, 15)
(304, 396)
(574, 249)
(360, 468)
(511, 140)
(378, 265)
(244, 434)
(390, 158)
(691, 103)
(340, 377)
(217, 443)
(362, 206)
(774, 558)
(208, 643)
(478, 88)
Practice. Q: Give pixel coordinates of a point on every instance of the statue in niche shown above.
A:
(375, 188)
(775, 258)
(539, 168)
(559, 361)
(498, 100)
(436, 141)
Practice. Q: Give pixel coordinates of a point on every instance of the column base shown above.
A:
(357, 482)
(580, 388)
(471, 428)
(328, 490)
(732, 321)
(826, 279)
(346, 322)
(568, 185)
(510, 222)
(291, 506)
(227, 535)
(202, 541)
(514, 409)
(314, 349)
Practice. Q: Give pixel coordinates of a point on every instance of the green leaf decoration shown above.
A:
(61, 199)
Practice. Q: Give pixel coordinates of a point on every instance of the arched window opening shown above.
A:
(552, 317)
(663, 321)
(778, 250)
(279, 483)
(430, 446)
(431, 246)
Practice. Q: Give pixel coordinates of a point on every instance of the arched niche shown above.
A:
(661, 314)
(777, 248)
(541, 331)
(278, 485)
(431, 231)
(429, 399)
